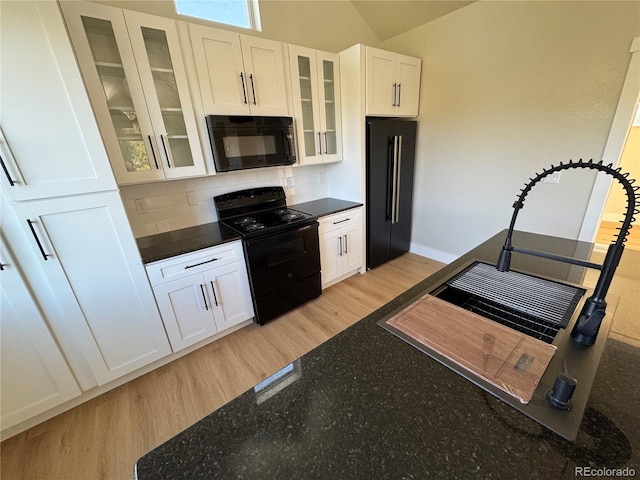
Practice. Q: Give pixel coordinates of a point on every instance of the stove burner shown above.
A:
(290, 216)
(252, 227)
(243, 221)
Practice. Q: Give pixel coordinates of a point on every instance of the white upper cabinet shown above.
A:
(50, 144)
(392, 83)
(133, 69)
(239, 74)
(316, 93)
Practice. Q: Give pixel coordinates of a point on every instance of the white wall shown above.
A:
(629, 162)
(330, 25)
(509, 88)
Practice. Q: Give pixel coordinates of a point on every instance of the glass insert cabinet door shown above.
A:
(329, 102)
(317, 105)
(138, 89)
(162, 73)
(329, 98)
(308, 104)
(133, 133)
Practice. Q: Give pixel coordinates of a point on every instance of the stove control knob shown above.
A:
(560, 395)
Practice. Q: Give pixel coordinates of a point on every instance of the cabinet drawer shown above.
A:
(182, 266)
(339, 220)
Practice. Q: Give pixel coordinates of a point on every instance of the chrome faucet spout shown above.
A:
(586, 328)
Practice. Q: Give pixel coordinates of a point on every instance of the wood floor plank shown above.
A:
(104, 437)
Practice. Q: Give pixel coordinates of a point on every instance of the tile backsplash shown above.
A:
(170, 205)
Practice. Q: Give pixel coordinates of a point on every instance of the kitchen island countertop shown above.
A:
(365, 405)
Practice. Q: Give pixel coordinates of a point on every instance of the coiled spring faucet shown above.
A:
(586, 328)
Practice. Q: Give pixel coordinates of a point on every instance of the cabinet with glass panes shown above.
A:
(316, 91)
(133, 69)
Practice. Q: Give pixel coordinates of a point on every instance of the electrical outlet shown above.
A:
(553, 178)
(192, 198)
(288, 182)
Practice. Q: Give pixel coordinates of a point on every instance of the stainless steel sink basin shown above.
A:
(531, 305)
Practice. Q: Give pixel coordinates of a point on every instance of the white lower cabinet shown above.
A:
(202, 293)
(35, 375)
(90, 259)
(340, 245)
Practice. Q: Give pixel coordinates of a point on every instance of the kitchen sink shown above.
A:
(531, 305)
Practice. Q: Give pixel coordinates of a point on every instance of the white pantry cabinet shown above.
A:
(133, 69)
(392, 83)
(89, 257)
(50, 144)
(340, 245)
(239, 74)
(316, 93)
(35, 375)
(202, 293)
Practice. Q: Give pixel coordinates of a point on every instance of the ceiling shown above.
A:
(391, 17)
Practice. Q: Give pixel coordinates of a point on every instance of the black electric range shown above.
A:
(281, 247)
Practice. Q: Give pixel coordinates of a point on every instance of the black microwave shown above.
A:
(240, 142)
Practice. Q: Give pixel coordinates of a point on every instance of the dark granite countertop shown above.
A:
(325, 206)
(366, 405)
(169, 244)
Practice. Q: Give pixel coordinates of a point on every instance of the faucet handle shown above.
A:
(560, 395)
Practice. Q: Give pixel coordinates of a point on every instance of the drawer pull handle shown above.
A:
(341, 221)
(201, 263)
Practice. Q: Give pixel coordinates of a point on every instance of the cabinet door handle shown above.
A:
(340, 246)
(35, 235)
(12, 182)
(201, 263)
(341, 221)
(253, 89)
(346, 252)
(326, 149)
(319, 144)
(153, 152)
(399, 90)
(394, 94)
(215, 297)
(167, 149)
(204, 297)
(244, 88)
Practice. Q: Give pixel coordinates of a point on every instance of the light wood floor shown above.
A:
(103, 438)
(608, 230)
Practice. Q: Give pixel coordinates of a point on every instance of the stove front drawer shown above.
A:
(282, 259)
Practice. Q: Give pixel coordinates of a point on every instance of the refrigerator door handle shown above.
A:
(388, 193)
(394, 191)
(398, 178)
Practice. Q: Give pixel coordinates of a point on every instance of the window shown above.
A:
(239, 13)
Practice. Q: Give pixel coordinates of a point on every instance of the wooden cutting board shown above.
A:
(509, 360)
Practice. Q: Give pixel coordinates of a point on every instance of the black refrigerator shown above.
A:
(391, 145)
